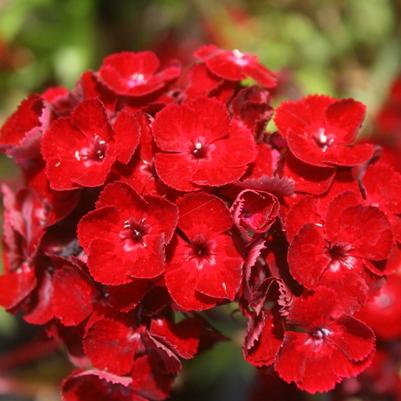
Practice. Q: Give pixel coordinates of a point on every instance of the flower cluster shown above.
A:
(152, 194)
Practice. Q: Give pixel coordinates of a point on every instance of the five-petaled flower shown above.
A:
(200, 145)
(339, 249)
(136, 73)
(319, 348)
(235, 65)
(80, 150)
(205, 265)
(320, 130)
(125, 236)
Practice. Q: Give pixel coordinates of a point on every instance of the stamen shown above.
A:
(323, 140)
(133, 234)
(199, 149)
(136, 80)
(321, 333)
(239, 58)
(95, 152)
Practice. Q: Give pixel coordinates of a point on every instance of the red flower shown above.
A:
(200, 145)
(205, 267)
(235, 65)
(80, 150)
(320, 130)
(126, 234)
(335, 250)
(320, 349)
(136, 74)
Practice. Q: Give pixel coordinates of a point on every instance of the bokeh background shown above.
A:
(336, 47)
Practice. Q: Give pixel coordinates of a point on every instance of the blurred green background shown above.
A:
(337, 47)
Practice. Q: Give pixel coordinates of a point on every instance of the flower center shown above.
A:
(320, 333)
(203, 251)
(339, 255)
(199, 149)
(133, 234)
(239, 58)
(338, 251)
(323, 140)
(136, 79)
(95, 152)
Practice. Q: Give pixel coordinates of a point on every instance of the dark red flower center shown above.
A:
(203, 251)
(340, 254)
(133, 233)
(95, 152)
(338, 251)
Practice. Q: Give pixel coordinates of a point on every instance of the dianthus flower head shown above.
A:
(200, 145)
(235, 65)
(322, 131)
(205, 265)
(320, 349)
(136, 73)
(127, 233)
(80, 150)
(153, 200)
